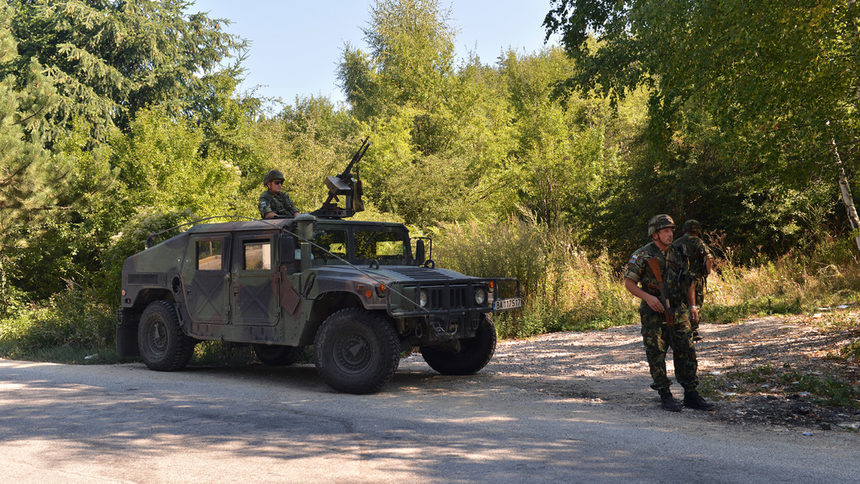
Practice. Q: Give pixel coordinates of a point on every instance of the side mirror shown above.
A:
(287, 248)
(419, 251)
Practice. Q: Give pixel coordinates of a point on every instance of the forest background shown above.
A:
(119, 118)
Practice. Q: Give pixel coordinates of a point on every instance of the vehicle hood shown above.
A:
(389, 274)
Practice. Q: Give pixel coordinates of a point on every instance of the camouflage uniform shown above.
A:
(655, 335)
(279, 203)
(697, 253)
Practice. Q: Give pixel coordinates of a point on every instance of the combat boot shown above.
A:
(668, 402)
(693, 400)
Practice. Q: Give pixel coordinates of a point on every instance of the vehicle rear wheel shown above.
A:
(277, 355)
(356, 351)
(474, 352)
(163, 346)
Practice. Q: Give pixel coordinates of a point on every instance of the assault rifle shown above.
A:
(654, 264)
(345, 184)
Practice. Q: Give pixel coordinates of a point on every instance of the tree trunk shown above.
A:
(847, 199)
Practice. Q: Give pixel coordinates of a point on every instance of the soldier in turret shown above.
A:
(653, 275)
(274, 202)
(700, 263)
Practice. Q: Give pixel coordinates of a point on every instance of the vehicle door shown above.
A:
(206, 278)
(255, 280)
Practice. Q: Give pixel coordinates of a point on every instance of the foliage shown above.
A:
(75, 319)
(109, 58)
(740, 99)
(564, 289)
(796, 282)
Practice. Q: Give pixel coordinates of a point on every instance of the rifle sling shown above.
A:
(654, 264)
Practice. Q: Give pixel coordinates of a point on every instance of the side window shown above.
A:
(209, 255)
(258, 255)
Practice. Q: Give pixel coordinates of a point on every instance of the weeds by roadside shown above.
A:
(795, 283)
(566, 290)
(68, 328)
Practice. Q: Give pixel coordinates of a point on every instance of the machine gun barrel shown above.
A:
(344, 184)
(365, 144)
(341, 184)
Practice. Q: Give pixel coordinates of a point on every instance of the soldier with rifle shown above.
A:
(655, 274)
(700, 263)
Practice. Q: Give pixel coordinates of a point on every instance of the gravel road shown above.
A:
(543, 410)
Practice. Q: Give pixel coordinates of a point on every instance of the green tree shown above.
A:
(162, 168)
(22, 161)
(410, 60)
(27, 171)
(741, 94)
(109, 59)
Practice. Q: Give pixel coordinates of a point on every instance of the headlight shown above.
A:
(480, 296)
(422, 298)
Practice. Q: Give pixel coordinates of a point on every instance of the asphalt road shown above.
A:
(124, 423)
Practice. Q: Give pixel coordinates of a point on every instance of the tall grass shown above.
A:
(68, 327)
(796, 282)
(564, 288)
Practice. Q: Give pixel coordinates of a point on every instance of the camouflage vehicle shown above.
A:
(354, 290)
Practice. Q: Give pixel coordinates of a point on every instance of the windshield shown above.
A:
(388, 247)
(329, 244)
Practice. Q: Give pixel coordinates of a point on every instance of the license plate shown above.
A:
(503, 304)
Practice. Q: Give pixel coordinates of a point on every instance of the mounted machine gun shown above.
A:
(346, 184)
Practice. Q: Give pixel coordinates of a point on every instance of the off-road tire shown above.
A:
(163, 346)
(277, 355)
(356, 351)
(474, 352)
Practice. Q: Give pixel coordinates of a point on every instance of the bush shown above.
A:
(564, 288)
(74, 320)
(793, 283)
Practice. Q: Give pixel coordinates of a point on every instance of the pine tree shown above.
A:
(24, 164)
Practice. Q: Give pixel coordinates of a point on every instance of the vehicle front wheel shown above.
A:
(356, 351)
(276, 355)
(163, 346)
(474, 352)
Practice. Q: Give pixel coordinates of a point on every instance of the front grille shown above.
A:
(447, 297)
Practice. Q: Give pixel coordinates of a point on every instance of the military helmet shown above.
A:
(272, 175)
(691, 226)
(658, 222)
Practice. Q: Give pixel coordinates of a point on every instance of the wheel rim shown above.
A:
(353, 353)
(157, 337)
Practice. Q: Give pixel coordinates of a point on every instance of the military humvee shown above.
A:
(354, 290)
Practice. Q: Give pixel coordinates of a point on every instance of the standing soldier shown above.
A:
(700, 262)
(274, 202)
(655, 268)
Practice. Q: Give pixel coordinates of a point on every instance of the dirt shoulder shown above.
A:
(774, 370)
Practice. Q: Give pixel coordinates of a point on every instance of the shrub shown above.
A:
(565, 289)
(72, 319)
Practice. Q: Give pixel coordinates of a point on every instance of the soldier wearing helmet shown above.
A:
(700, 262)
(274, 202)
(641, 281)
